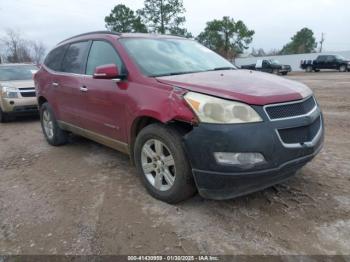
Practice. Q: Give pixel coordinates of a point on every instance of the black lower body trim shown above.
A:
(220, 186)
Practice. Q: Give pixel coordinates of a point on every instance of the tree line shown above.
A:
(302, 42)
(225, 36)
(16, 49)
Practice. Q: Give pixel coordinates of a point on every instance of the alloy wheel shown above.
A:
(48, 124)
(158, 165)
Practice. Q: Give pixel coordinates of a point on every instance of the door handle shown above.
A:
(83, 89)
(55, 84)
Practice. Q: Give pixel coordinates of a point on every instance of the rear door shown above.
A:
(104, 98)
(321, 62)
(331, 62)
(53, 62)
(71, 104)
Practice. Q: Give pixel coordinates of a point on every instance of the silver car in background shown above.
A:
(17, 91)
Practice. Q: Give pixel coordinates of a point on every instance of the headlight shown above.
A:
(9, 92)
(220, 111)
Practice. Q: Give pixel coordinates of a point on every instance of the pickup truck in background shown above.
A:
(336, 62)
(269, 66)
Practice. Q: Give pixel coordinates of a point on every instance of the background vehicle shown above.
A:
(269, 66)
(326, 62)
(186, 116)
(17, 91)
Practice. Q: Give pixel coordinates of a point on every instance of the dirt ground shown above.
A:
(84, 198)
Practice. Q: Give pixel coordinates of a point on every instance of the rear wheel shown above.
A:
(309, 69)
(342, 68)
(53, 133)
(162, 164)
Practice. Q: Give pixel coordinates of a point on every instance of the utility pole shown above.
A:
(321, 42)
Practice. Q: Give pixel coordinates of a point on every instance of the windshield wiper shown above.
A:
(176, 73)
(222, 68)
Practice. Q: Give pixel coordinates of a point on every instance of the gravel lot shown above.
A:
(84, 198)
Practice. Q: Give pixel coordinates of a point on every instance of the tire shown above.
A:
(3, 117)
(343, 68)
(285, 73)
(53, 133)
(275, 71)
(172, 189)
(317, 70)
(309, 69)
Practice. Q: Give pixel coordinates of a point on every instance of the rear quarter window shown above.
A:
(54, 58)
(75, 57)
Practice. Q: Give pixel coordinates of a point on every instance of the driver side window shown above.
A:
(102, 53)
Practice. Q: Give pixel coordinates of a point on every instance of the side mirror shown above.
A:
(109, 71)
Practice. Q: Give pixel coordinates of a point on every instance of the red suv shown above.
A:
(187, 117)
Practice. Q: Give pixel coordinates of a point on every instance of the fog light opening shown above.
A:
(239, 159)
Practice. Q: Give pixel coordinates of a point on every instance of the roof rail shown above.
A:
(90, 33)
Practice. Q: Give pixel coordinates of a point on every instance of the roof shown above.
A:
(119, 35)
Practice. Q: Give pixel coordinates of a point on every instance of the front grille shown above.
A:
(291, 110)
(28, 94)
(300, 135)
(27, 91)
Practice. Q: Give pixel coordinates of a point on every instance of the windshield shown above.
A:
(20, 72)
(339, 57)
(160, 57)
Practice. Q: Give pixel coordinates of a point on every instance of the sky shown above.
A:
(274, 21)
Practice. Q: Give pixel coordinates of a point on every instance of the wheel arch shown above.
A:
(41, 101)
(145, 120)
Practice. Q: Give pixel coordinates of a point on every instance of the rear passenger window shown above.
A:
(54, 58)
(74, 59)
(102, 53)
(330, 59)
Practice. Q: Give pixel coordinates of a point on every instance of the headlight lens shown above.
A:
(9, 92)
(220, 111)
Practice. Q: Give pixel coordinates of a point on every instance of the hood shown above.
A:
(18, 83)
(247, 86)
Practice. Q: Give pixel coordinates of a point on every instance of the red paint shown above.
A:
(111, 108)
(251, 87)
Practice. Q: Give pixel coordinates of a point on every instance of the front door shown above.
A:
(103, 98)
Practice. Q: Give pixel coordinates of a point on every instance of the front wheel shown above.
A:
(53, 133)
(162, 164)
(3, 116)
(275, 71)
